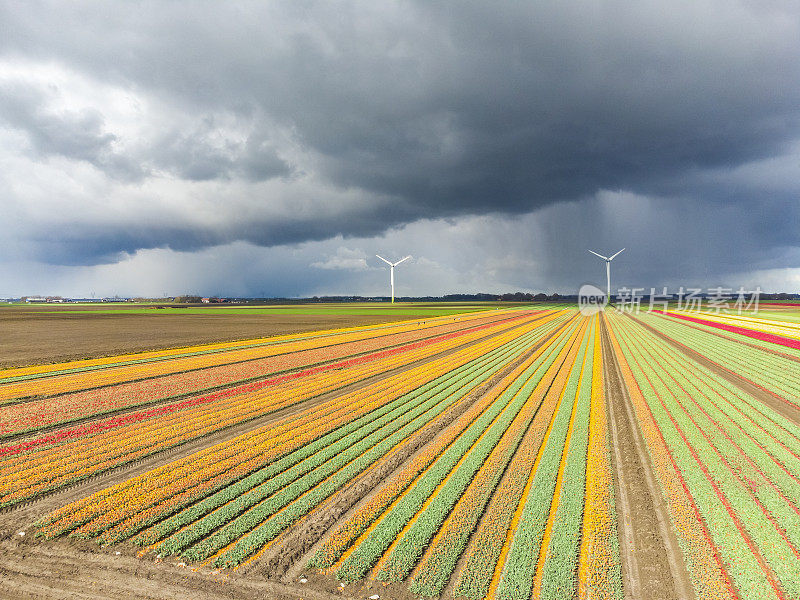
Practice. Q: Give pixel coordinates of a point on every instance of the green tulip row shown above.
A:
(771, 371)
(441, 557)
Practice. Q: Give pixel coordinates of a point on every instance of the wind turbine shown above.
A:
(608, 271)
(392, 265)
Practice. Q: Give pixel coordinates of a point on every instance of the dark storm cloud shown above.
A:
(192, 156)
(86, 243)
(438, 109)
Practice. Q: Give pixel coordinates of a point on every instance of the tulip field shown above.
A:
(525, 452)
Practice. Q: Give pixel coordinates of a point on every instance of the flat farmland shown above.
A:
(517, 452)
(50, 333)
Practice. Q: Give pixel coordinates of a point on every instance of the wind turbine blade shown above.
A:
(596, 254)
(401, 260)
(384, 260)
(620, 252)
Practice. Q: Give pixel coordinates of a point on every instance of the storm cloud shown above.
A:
(180, 128)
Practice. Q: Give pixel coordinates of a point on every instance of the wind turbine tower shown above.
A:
(391, 270)
(608, 260)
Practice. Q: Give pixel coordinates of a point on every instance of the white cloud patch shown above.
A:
(344, 259)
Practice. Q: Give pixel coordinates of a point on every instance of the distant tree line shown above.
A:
(482, 297)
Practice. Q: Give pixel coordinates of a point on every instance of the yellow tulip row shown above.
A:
(599, 573)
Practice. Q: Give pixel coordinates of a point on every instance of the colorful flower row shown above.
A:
(519, 570)
(369, 330)
(487, 452)
(599, 571)
(486, 554)
(758, 334)
(292, 490)
(774, 373)
(561, 543)
(26, 475)
(439, 560)
(255, 540)
(385, 498)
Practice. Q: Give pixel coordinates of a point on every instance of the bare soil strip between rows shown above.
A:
(17, 517)
(72, 570)
(774, 401)
(652, 563)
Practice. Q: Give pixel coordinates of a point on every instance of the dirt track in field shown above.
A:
(774, 401)
(38, 338)
(82, 571)
(652, 564)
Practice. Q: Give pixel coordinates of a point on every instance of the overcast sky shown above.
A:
(274, 148)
